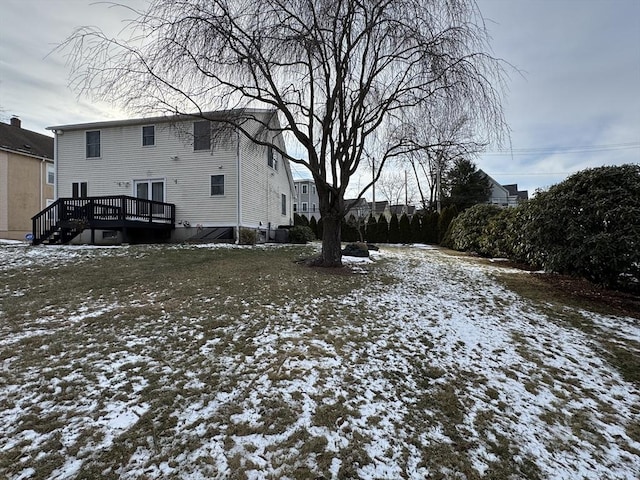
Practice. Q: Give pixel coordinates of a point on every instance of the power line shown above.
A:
(567, 150)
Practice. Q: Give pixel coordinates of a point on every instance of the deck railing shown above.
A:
(91, 212)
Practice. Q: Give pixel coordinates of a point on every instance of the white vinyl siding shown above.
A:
(186, 173)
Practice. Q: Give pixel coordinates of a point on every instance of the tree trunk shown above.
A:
(331, 246)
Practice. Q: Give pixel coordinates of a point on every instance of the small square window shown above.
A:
(148, 136)
(93, 144)
(217, 185)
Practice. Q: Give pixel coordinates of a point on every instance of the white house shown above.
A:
(505, 195)
(202, 179)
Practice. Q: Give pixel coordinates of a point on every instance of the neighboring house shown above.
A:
(514, 192)
(400, 210)
(306, 202)
(26, 177)
(359, 208)
(186, 177)
(505, 195)
(380, 208)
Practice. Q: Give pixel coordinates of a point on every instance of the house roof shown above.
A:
(513, 190)
(220, 115)
(381, 205)
(17, 139)
(400, 209)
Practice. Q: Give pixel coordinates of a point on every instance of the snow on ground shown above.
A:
(439, 373)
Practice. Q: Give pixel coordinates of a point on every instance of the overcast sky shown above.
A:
(576, 103)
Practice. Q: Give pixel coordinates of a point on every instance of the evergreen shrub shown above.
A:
(301, 234)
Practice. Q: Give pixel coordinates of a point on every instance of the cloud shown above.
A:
(580, 85)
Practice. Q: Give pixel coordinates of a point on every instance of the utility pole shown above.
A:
(439, 189)
(406, 192)
(373, 178)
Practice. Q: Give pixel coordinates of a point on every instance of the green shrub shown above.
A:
(588, 225)
(468, 229)
(248, 236)
(496, 238)
(301, 234)
(444, 220)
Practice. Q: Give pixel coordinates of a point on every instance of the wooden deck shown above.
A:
(66, 218)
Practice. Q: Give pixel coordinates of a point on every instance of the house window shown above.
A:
(313, 207)
(313, 189)
(93, 144)
(148, 136)
(201, 135)
(217, 185)
(304, 189)
(295, 207)
(304, 206)
(284, 204)
(270, 156)
(51, 175)
(79, 189)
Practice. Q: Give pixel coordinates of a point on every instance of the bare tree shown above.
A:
(395, 187)
(446, 135)
(347, 79)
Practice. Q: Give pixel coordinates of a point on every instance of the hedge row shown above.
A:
(420, 228)
(588, 225)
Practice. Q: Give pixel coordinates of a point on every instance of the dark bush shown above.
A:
(394, 229)
(405, 229)
(356, 250)
(313, 225)
(301, 234)
(371, 233)
(429, 228)
(416, 236)
(382, 230)
(349, 232)
(444, 220)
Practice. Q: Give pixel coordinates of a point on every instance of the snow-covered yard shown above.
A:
(425, 367)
